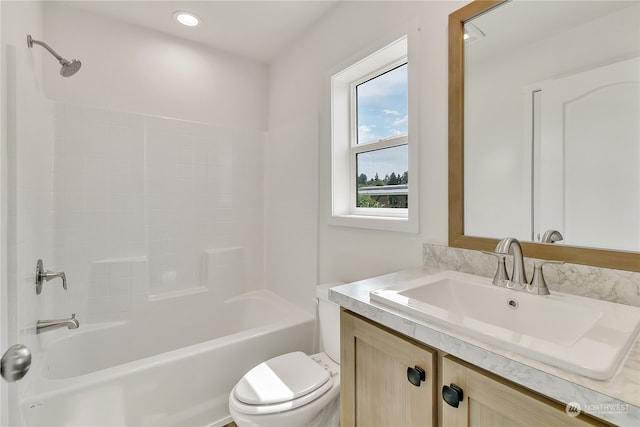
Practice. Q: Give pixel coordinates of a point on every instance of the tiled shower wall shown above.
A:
(145, 206)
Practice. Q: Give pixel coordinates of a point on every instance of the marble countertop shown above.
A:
(616, 400)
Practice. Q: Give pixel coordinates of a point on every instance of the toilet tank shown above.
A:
(329, 321)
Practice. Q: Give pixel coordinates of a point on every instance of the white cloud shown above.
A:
(391, 112)
(366, 133)
(401, 122)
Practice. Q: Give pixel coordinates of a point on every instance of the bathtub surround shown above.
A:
(617, 286)
(153, 227)
(223, 267)
(114, 287)
(149, 208)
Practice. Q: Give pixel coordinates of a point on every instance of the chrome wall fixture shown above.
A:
(44, 276)
(47, 325)
(69, 68)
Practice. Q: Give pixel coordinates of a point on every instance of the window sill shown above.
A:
(384, 223)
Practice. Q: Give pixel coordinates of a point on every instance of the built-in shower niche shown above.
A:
(120, 287)
(222, 277)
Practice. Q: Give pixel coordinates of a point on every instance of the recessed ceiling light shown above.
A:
(186, 18)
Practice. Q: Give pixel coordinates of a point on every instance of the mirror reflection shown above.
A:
(552, 123)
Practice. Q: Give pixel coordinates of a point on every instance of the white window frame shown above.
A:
(344, 147)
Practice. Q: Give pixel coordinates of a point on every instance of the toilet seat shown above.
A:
(281, 384)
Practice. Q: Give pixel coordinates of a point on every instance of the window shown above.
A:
(380, 146)
(373, 142)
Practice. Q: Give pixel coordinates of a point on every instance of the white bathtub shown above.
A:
(163, 369)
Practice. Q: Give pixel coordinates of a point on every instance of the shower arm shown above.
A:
(31, 41)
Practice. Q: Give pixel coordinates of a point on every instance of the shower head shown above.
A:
(69, 68)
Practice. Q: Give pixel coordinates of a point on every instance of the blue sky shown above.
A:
(382, 113)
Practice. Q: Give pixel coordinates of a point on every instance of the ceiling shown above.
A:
(258, 29)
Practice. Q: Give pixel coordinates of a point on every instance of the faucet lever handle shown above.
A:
(501, 278)
(538, 284)
(44, 276)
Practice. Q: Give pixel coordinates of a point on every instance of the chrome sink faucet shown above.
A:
(518, 279)
(511, 246)
(48, 325)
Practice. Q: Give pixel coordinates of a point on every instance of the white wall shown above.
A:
(298, 87)
(132, 69)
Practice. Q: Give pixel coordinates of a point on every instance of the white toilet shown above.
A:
(295, 390)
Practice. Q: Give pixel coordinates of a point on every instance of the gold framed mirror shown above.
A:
(617, 259)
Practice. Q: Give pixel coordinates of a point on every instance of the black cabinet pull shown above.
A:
(416, 375)
(452, 394)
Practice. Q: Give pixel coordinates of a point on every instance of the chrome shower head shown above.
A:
(69, 68)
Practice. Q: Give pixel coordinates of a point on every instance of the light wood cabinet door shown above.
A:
(488, 400)
(375, 389)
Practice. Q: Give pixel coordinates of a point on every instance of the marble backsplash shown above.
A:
(617, 286)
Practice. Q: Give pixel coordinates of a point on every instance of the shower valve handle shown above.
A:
(44, 276)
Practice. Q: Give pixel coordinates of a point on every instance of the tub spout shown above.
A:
(48, 325)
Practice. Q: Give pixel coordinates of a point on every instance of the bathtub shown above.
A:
(162, 369)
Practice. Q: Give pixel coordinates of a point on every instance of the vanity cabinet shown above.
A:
(378, 366)
(488, 400)
(378, 370)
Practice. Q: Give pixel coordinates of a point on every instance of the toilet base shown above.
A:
(327, 417)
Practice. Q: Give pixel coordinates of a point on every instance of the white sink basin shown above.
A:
(583, 335)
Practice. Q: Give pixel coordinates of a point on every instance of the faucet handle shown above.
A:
(550, 236)
(42, 276)
(538, 285)
(501, 278)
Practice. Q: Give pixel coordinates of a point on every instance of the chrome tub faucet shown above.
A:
(48, 325)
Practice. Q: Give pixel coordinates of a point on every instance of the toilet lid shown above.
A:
(281, 379)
